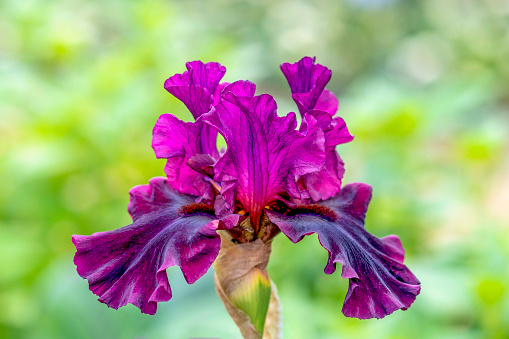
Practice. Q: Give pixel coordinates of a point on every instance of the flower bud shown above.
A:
(245, 288)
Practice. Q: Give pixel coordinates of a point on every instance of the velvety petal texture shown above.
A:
(266, 155)
(179, 142)
(129, 265)
(197, 86)
(307, 81)
(379, 282)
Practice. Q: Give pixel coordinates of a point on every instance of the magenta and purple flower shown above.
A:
(274, 176)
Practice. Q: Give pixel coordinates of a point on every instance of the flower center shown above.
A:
(246, 231)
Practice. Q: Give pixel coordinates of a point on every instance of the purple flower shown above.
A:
(274, 176)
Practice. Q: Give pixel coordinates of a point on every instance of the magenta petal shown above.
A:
(327, 102)
(304, 74)
(326, 183)
(379, 282)
(204, 75)
(265, 154)
(197, 86)
(202, 163)
(198, 100)
(129, 265)
(217, 93)
(208, 140)
(178, 141)
(307, 82)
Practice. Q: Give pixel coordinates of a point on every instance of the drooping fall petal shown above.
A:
(128, 265)
(265, 154)
(379, 281)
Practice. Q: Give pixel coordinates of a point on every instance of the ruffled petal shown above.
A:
(178, 142)
(202, 163)
(327, 102)
(307, 82)
(196, 87)
(379, 282)
(265, 154)
(199, 89)
(326, 183)
(129, 265)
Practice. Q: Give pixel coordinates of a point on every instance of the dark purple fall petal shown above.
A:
(379, 282)
(178, 142)
(128, 265)
(307, 82)
(197, 86)
(265, 154)
(326, 183)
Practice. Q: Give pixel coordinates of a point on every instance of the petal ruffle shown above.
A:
(265, 154)
(307, 82)
(199, 89)
(197, 86)
(379, 282)
(178, 142)
(129, 265)
(326, 183)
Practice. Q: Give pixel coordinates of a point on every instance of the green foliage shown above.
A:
(423, 85)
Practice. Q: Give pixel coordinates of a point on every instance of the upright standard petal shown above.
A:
(179, 142)
(199, 89)
(265, 154)
(379, 282)
(198, 86)
(129, 265)
(307, 82)
(326, 183)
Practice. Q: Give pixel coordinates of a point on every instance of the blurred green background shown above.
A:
(423, 85)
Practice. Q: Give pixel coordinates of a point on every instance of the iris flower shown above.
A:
(274, 176)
